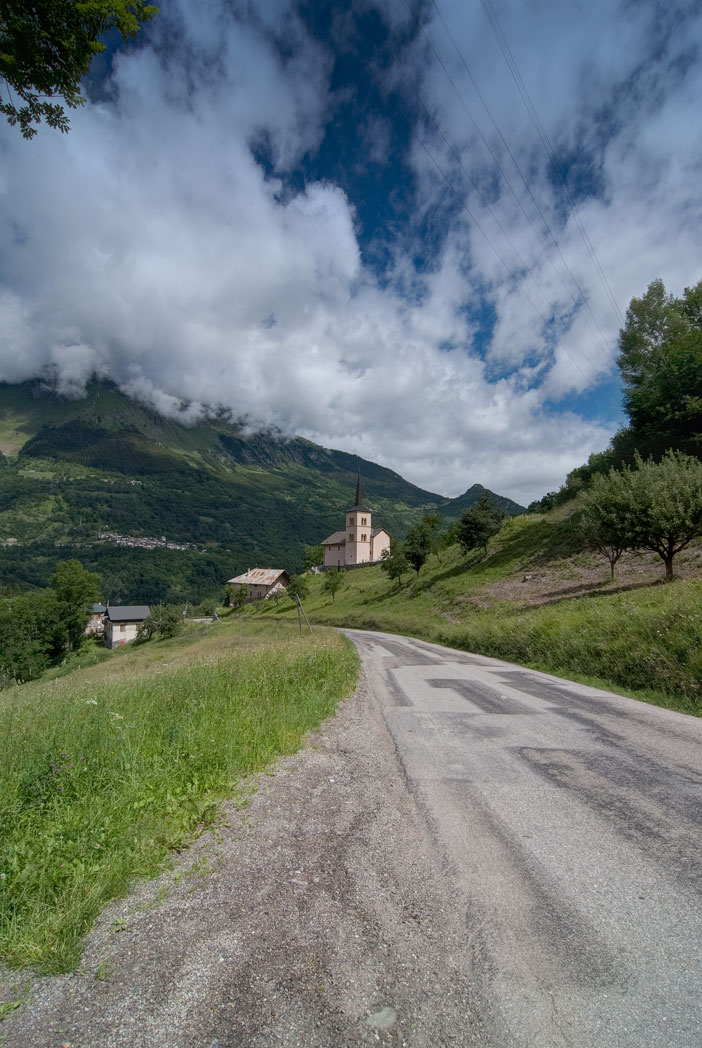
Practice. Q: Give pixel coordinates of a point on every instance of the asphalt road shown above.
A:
(467, 854)
(571, 819)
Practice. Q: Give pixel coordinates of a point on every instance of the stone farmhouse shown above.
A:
(360, 543)
(261, 582)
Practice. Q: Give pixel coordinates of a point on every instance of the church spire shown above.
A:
(358, 504)
(359, 495)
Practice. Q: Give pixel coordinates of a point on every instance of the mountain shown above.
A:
(76, 469)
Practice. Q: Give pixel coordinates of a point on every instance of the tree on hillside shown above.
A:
(655, 506)
(236, 597)
(298, 586)
(660, 359)
(333, 580)
(478, 524)
(605, 525)
(431, 522)
(46, 47)
(394, 563)
(77, 590)
(417, 546)
(32, 635)
(314, 555)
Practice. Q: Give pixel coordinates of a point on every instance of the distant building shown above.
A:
(122, 623)
(260, 583)
(360, 543)
(96, 622)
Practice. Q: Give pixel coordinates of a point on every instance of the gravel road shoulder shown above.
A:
(319, 915)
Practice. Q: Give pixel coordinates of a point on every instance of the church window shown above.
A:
(363, 520)
(351, 538)
(364, 538)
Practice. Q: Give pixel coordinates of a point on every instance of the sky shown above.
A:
(409, 230)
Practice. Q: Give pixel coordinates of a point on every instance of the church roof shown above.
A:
(337, 539)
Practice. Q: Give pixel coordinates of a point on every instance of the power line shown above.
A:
(581, 294)
(550, 152)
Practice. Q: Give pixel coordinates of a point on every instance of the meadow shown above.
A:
(109, 769)
(539, 600)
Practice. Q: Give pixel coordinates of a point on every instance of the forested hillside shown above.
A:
(75, 469)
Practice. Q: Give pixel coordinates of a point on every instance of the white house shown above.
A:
(360, 543)
(122, 623)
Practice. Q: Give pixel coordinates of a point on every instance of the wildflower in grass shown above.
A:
(90, 702)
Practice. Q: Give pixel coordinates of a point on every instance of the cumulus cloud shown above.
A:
(175, 241)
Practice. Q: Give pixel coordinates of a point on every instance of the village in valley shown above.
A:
(358, 545)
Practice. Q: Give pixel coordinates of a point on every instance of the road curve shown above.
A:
(571, 819)
(467, 854)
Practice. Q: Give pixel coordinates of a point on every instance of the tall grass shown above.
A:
(648, 642)
(103, 774)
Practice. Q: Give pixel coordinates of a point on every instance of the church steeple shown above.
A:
(358, 530)
(358, 504)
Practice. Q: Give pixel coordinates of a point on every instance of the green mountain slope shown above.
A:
(75, 469)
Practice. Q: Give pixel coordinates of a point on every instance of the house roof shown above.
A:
(258, 577)
(376, 531)
(128, 613)
(337, 539)
(98, 609)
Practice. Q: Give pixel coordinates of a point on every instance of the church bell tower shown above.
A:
(358, 530)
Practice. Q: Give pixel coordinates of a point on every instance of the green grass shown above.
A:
(105, 771)
(644, 641)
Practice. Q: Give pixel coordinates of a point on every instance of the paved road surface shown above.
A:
(572, 821)
(467, 854)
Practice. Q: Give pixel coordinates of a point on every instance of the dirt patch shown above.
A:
(585, 575)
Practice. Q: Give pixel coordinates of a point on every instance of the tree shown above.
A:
(431, 522)
(333, 580)
(298, 587)
(237, 597)
(479, 523)
(655, 506)
(603, 524)
(417, 546)
(667, 504)
(394, 563)
(314, 555)
(32, 635)
(77, 590)
(660, 359)
(46, 46)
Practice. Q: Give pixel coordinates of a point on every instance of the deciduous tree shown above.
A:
(46, 46)
(394, 563)
(660, 359)
(655, 506)
(333, 580)
(417, 546)
(77, 590)
(478, 524)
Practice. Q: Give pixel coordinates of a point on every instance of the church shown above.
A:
(360, 543)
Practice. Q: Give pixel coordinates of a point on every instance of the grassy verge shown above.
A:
(104, 771)
(644, 640)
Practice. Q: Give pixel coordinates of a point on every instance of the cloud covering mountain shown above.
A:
(342, 220)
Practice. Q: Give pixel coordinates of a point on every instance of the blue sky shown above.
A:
(407, 230)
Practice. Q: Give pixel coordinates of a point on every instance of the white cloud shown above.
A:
(151, 245)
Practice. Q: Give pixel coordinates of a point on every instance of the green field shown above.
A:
(635, 634)
(107, 769)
